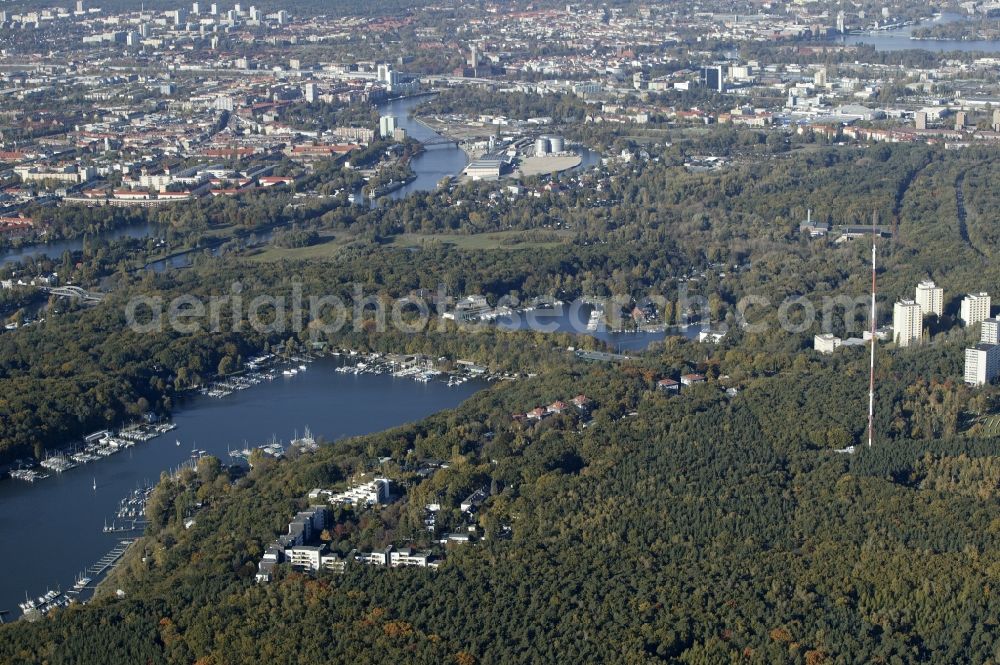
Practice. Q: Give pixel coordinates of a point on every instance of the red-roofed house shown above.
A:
(668, 385)
(691, 379)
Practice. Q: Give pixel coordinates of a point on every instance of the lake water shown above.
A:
(55, 249)
(899, 39)
(53, 529)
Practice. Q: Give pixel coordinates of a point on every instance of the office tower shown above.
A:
(310, 92)
(387, 76)
(990, 333)
(213, 9)
(930, 297)
(711, 77)
(254, 14)
(195, 8)
(282, 17)
(982, 364)
(387, 126)
(907, 323)
(975, 308)
(920, 120)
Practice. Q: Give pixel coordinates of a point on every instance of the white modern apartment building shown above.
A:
(398, 558)
(387, 126)
(305, 557)
(377, 491)
(975, 308)
(826, 343)
(930, 297)
(982, 364)
(907, 323)
(990, 333)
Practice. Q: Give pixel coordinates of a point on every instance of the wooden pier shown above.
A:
(109, 560)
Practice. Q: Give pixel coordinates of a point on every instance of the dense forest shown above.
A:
(701, 529)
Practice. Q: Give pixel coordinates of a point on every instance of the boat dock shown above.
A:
(108, 561)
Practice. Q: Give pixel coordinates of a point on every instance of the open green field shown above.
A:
(328, 247)
(483, 241)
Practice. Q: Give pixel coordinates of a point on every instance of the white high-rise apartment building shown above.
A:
(907, 323)
(387, 126)
(930, 297)
(990, 333)
(975, 308)
(982, 364)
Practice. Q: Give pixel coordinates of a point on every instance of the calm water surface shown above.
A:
(53, 529)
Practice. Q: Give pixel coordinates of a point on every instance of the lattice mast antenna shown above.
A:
(871, 367)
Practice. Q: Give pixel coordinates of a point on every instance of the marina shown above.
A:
(44, 604)
(94, 447)
(79, 503)
(131, 513)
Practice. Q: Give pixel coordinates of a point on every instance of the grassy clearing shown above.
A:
(483, 241)
(328, 247)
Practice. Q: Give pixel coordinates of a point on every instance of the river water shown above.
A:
(435, 162)
(53, 528)
(899, 39)
(55, 249)
(430, 167)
